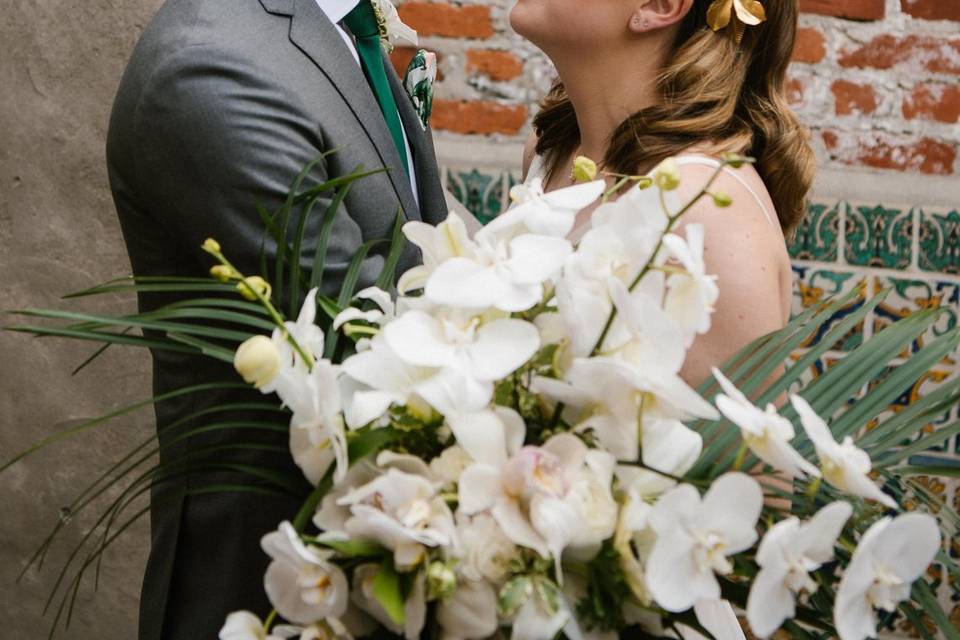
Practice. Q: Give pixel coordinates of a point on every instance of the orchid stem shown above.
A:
(266, 304)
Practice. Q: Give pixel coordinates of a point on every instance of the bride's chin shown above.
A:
(524, 17)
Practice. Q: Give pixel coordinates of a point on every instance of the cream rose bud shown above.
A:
(257, 360)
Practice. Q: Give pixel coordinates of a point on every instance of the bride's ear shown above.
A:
(651, 15)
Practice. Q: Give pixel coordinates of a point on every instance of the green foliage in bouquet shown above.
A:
(231, 311)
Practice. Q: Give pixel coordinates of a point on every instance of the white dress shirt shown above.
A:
(337, 10)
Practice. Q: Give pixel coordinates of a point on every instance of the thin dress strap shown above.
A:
(712, 162)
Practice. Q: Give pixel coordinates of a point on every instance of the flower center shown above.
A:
(460, 332)
(415, 515)
(709, 554)
(887, 589)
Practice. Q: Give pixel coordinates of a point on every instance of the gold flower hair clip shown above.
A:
(749, 12)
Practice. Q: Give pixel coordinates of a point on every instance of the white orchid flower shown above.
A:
(767, 433)
(892, 554)
(844, 465)
(401, 511)
(695, 537)
(317, 431)
(384, 312)
(548, 214)
(415, 606)
(329, 629)
(629, 413)
(539, 495)
(243, 625)
(470, 613)
(470, 354)
(301, 582)
(284, 379)
(534, 621)
(437, 244)
(788, 553)
(504, 273)
(623, 236)
(398, 33)
(692, 293)
(385, 381)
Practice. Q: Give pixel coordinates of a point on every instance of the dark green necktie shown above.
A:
(362, 22)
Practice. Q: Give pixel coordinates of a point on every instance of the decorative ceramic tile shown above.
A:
(927, 383)
(815, 286)
(907, 296)
(879, 237)
(940, 242)
(481, 192)
(817, 235)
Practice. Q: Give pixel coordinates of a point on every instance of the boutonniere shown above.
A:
(748, 12)
(421, 74)
(392, 29)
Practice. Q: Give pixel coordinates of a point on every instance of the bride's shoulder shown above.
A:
(752, 209)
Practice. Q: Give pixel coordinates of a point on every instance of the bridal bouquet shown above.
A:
(504, 446)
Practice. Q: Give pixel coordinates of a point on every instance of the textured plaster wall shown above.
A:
(60, 63)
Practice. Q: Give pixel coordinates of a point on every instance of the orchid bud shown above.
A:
(722, 200)
(223, 273)
(257, 360)
(735, 160)
(254, 284)
(667, 175)
(584, 169)
(441, 580)
(211, 246)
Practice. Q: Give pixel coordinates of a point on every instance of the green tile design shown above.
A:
(817, 236)
(907, 296)
(814, 286)
(928, 383)
(940, 242)
(482, 193)
(879, 237)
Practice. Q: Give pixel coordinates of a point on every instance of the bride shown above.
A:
(643, 80)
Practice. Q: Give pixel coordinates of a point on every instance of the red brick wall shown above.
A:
(878, 81)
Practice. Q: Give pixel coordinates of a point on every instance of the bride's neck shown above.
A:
(606, 89)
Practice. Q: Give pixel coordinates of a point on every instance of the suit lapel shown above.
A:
(424, 156)
(312, 33)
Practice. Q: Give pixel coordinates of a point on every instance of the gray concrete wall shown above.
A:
(60, 63)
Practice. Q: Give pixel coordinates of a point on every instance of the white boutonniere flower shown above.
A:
(392, 29)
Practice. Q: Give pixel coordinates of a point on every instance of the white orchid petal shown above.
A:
(517, 528)
(450, 391)
(820, 533)
(718, 617)
(482, 435)
(501, 347)
(535, 259)
(670, 446)
(732, 505)
(463, 283)
(478, 488)
(416, 338)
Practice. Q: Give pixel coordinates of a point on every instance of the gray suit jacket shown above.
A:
(222, 105)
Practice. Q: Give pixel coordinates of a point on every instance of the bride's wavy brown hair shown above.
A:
(715, 94)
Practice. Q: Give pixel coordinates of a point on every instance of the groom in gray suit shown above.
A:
(222, 105)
